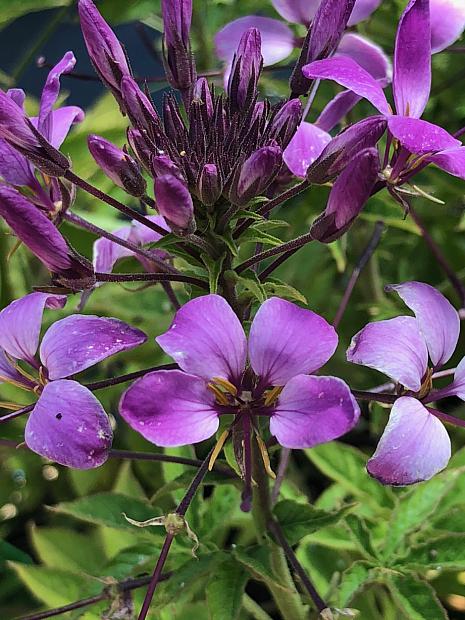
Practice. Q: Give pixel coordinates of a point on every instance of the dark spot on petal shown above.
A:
(59, 416)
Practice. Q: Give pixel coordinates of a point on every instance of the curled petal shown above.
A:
(451, 160)
(8, 372)
(362, 10)
(419, 136)
(395, 347)
(438, 320)
(69, 426)
(337, 109)
(456, 388)
(367, 54)
(107, 253)
(170, 408)
(306, 145)
(14, 167)
(297, 11)
(206, 339)
(276, 38)
(62, 120)
(286, 340)
(447, 22)
(414, 446)
(20, 323)
(412, 60)
(79, 341)
(313, 410)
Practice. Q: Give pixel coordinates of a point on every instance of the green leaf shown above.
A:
(258, 562)
(107, 509)
(285, 291)
(360, 533)
(297, 519)
(126, 482)
(255, 235)
(214, 266)
(445, 552)
(250, 286)
(416, 598)
(225, 590)
(353, 580)
(9, 552)
(58, 547)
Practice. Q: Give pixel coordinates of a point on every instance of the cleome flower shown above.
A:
(415, 445)
(67, 424)
(286, 344)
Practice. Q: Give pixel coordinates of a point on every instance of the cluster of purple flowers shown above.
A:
(208, 157)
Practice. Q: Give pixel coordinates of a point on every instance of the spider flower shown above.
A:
(68, 424)
(415, 444)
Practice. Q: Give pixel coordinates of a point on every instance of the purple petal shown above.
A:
(438, 320)
(362, 10)
(286, 340)
(349, 74)
(328, 25)
(62, 120)
(447, 22)
(206, 339)
(106, 253)
(20, 323)
(313, 410)
(412, 60)
(177, 18)
(50, 94)
(419, 136)
(297, 11)
(414, 446)
(174, 201)
(366, 54)
(142, 235)
(69, 426)
(277, 38)
(337, 109)
(395, 347)
(456, 388)
(14, 167)
(306, 145)
(7, 372)
(451, 160)
(170, 408)
(77, 342)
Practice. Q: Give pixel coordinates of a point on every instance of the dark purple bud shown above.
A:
(348, 196)
(322, 39)
(163, 165)
(172, 120)
(41, 236)
(138, 106)
(140, 147)
(174, 202)
(285, 122)
(245, 71)
(203, 95)
(256, 173)
(18, 131)
(105, 51)
(209, 186)
(120, 167)
(179, 61)
(344, 147)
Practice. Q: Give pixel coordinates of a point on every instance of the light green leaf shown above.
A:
(360, 533)
(214, 266)
(353, 579)
(225, 590)
(58, 547)
(285, 291)
(257, 560)
(445, 552)
(416, 598)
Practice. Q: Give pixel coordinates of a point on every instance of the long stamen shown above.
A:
(217, 449)
(17, 384)
(272, 396)
(220, 396)
(21, 371)
(265, 456)
(227, 385)
(11, 406)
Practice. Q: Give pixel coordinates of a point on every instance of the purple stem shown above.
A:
(373, 396)
(16, 414)
(99, 385)
(282, 468)
(246, 497)
(294, 245)
(150, 277)
(171, 295)
(449, 419)
(275, 264)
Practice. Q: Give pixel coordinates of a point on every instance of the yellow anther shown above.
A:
(17, 384)
(220, 396)
(182, 153)
(427, 384)
(272, 396)
(42, 376)
(265, 457)
(226, 385)
(46, 178)
(18, 368)
(217, 449)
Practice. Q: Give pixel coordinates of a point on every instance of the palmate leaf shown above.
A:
(415, 598)
(444, 552)
(257, 561)
(225, 590)
(353, 580)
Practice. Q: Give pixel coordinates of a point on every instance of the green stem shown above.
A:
(6, 291)
(254, 609)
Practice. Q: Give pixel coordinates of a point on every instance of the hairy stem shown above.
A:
(294, 244)
(150, 277)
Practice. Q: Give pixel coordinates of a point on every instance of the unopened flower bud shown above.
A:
(284, 124)
(209, 184)
(256, 173)
(162, 165)
(174, 202)
(245, 71)
(120, 167)
(203, 96)
(140, 147)
(138, 107)
(179, 62)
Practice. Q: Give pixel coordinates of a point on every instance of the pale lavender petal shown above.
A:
(7, 372)
(395, 347)
(362, 10)
(419, 136)
(451, 160)
(14, 167)
(297, 11)
(69, 426)
(106, 253)
(170, 408)
(79, 341)
(206, 339)
(20, 323)
(349, 74)
(414, 446)
(276, 38)
(286, 340)
(142, 235)
(305, 146)
(447, 22)
(62, 120)
(438, 320)
(337, 109)
(412, 60)
(456, 388)
(313, 410)
(50, 93)
(367, 54)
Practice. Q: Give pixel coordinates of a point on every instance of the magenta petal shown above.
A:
(313, 410)
(206, 339)
(20, 323)
(297, 11)
(419, 136)
(362, 10)
(79, 341)
(286, 340)
(349, 74)
(106, 253)
(414, 446)
(438, 320)
(277, 40)
(170, 408)
(366, 54)
(305, 146)
(62, 120)
(14, 167)
(451, 160)
(412, 60)
(337, 109)
(447, 22)
(395, 347)
(69, 426)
